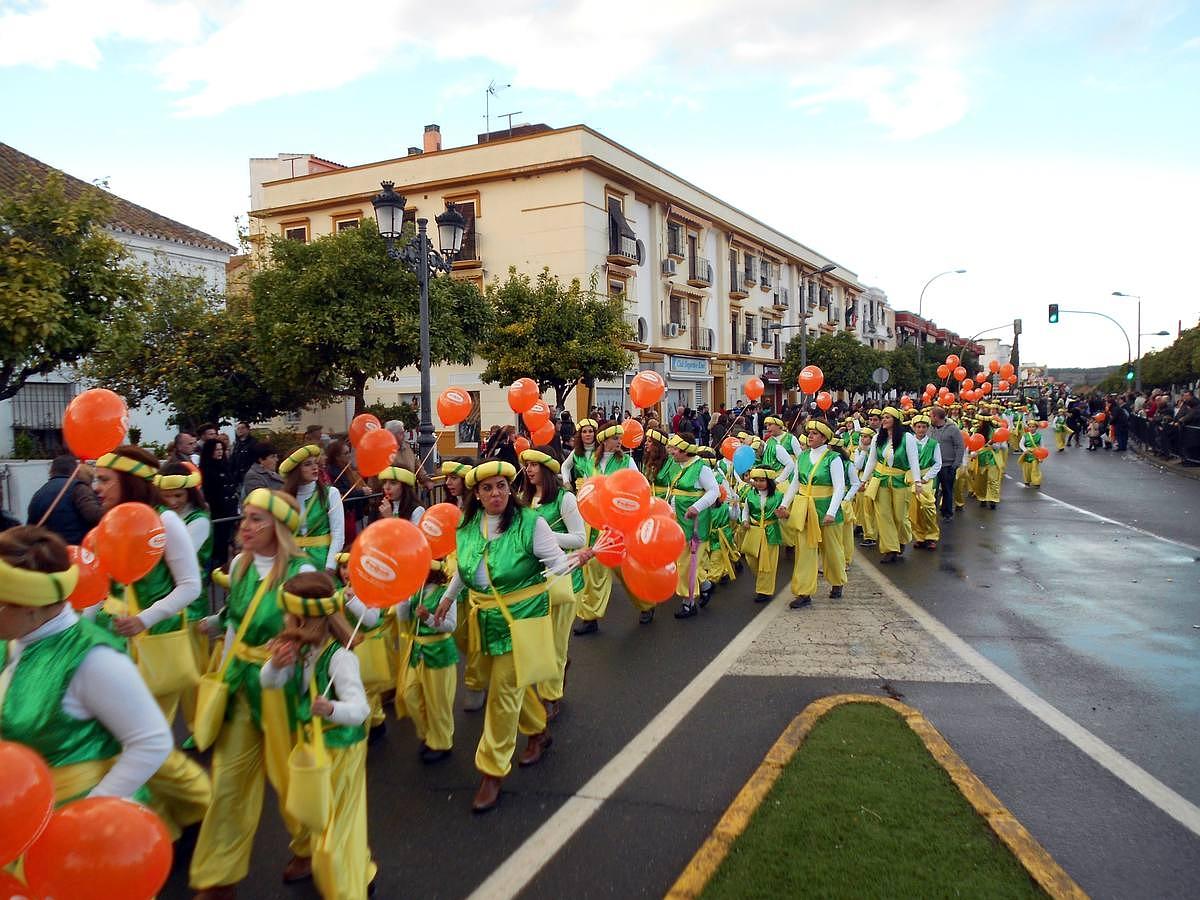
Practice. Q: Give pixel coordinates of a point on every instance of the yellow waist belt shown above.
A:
(682, 493)
(884, 471)
(78, 778)
(427, 639)
(479, 601)
(258, 655)
(804, 515)
(318, 540)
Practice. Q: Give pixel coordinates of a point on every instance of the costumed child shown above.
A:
(455, 470)
(814, 506)
(322, 531)
(1031, 466)
(988, 480)
(764, 531)
(849, 505)
(1062, 432)
(692, 493)
(427, 679)
(399, 499)
(375, 647)
(719, 560)
(312, 665)
(608, 456)
(922, 509)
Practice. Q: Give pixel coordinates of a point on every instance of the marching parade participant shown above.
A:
(764, 532)
(1031, 466)
(849, 501)
(67, 689)
(456, 470)
(891, 471)
(399, 495)
(657, 465)
(544, 494)
(580, 464)
(503, 551)
(322, 532)
(693, 490)
(154, 608)
(428, 674)
(720, 556)
(987, 461)
(1061, 430)
(312, 666)
(252, 734)
(813, 505)
(608, 456)
(923, 513)
(867, 515)
(374, 647)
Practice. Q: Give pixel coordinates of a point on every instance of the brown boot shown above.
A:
(535, 749)
(299, 868)
(488, 794)
(551, 709)
(217, 892)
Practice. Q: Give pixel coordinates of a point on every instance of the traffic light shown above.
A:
(1129, 375)
(1053, 313)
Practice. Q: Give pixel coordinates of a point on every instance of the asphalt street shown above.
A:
(1095, 618)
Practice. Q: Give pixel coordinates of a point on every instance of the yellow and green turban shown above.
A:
(542, 459)
(119, 463)
(610, 432)
(491, 469)
(875, 412)
(893, 412)
(311, 607)
(760, 472)
(921, 420)
(24, 587)
(398, 473)
(462, 470)
(343, 558)
(307, 452)
(774, 420)
(588, 423)
(653, 434)
(282, 510)
(820, 427)
(177, 482)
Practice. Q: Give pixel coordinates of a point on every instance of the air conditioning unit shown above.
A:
(671, 329)
(747, 348)
(668, 267)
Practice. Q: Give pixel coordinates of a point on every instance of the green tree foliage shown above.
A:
(906, 373)
(1174, 365)
(185, 350)
(556, 334)
(846, 362)
(335, 313)
(63, 281)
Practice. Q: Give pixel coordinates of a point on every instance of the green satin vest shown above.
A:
(925, 454)
(337, 737)
(552, 513)
(764, 513)
(899, 461)
(687, 478)
(582, 466)
(440, 654)
(819, 475)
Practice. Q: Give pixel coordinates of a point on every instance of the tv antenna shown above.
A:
(492, 90)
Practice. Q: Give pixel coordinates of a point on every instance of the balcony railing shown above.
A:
(700, 273)
(622, 249)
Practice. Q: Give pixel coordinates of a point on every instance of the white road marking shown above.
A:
(1173, 804)
(1098, 517)
(540, 847)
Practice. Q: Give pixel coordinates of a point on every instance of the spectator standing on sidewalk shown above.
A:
(78, 510)
(950, 440)
(241, 455)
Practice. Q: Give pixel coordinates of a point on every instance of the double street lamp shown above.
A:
(1141, 334)
(420, 258)
(921, 307)
(803, 325)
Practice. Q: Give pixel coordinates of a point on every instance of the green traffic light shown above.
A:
(1129, 376)
(1053, 313)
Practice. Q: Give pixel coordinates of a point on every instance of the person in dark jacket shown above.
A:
(241, 454)
(221, 493)
(76, 513)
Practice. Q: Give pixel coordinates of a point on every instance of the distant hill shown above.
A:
(1082, 376)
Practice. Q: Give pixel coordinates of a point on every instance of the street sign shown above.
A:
(881, 375)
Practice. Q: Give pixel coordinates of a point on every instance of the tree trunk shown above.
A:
(359, 382)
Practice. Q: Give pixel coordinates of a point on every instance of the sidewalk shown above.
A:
(1166, 465)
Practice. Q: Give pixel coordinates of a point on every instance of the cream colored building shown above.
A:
(702, 281)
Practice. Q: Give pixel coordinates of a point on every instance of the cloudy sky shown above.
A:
(1049, 147)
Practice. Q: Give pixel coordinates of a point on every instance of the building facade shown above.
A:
(875, 325)
(711, 294)
(914, 330)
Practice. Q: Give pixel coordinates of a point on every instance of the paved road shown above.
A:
(1093, 617)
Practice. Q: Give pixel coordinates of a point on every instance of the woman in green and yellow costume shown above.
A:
(155, 606)
(657, 466)
(455, 470)
(890, 474)
(849, 500)
(376, 647)
(922, 509)
(692, 493)
(864, 509)
(322, 532)
(255, 738)
(542, 491)
(428, 676)
(1031, 466)
(608, 457)
(580, 463)
(987, 461)
(503, 553)
(764, 531)
(720, 556)
(312, 666)
(813, 504)
(67, 689)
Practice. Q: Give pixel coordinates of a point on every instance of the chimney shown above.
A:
(433, 138)
(414, 151)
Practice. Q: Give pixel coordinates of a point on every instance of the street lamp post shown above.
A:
(420, 258)
(803, 326)
(1137, 384)
(921, 307)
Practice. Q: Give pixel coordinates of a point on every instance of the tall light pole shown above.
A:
(1137, 383)
(419, 257)
(921, 307)
(804, 312)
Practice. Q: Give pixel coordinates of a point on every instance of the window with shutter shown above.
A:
(470, 242)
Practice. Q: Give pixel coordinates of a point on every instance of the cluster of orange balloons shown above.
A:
(126, 544)
(374, 446)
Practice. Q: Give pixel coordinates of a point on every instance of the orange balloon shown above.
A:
(375, 451)
(1001, 435)
(522, 394)
(653, 584)
(454, 405)
(95, 423)
(100, 848)
(130, 540)
(11, 888)
(536, 416)
(979, 377)
(632, 438)
(362, 425)
(943, 371)
(660, 507)
(593, 501)
(729, 445)
(92, 586)
(1007, 370)
(906, 402)
(543, 435)
(994, 365)
(657, 541)
(986, 387)
(646, 389)
(1041, 453)
(976, 442)
(1100, 417)
(1043, 423)
(960, 373)
(614, 551)
(952, 361)
(520, 444)
(969, 384)
(824, 400)
(627, 499)
(930, 389)
(810, 379)
(389, 562)
(26, 799)
(1003, 385)
(754, 387)
(439, 524)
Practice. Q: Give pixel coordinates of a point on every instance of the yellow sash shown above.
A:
(320, 540)
(480, 601)
(78, 778)
(804, 513)
(259, 655)
(884, 471)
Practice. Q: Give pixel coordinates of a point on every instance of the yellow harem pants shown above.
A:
(342, 863)
(963, 479)
(866, 515)
(429, 702)
(562, 615)
(832, 556)
(180, 791)
(683, 565)
(1060, 438)
(201, 652)
(849, 520)
(891, 515)
(509, 709)
(597, 590)
(923, 515)
(763, 558)
(989, 479)
(1031, 471)
(241, 755)
(473, 679)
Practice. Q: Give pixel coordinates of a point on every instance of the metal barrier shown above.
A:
(1166, 438)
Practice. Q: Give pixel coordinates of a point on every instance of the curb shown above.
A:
(1192, 472)
(1040, 865)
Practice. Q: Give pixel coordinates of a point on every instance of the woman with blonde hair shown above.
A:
(322, 532)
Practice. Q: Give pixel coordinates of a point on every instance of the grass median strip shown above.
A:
(863, 810)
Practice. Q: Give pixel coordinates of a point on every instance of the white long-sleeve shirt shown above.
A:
(262, 565)
(180, 557)
(707, 482)
(937, 457)
(351, 706)
(445, 625)
(568, 510)
(910, 449)
(368, 615)
(198, 529)
(337, 519)
(107, 687)
(545, 548)
(789, 465)
(837, 475)
(855, 483)
(568, 466)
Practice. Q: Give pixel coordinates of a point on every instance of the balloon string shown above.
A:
(349, 646)
(66, 484)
